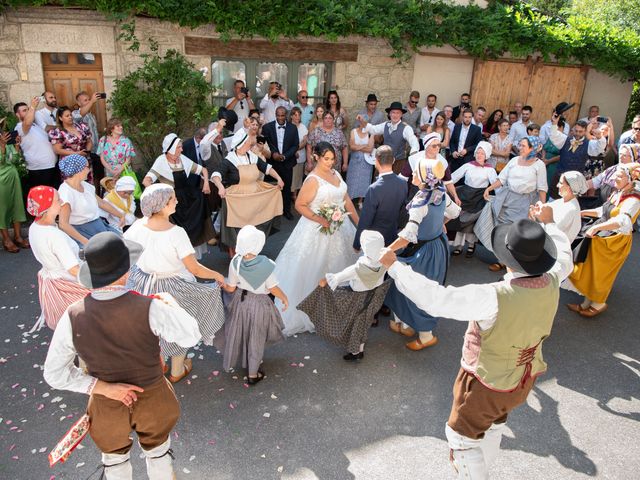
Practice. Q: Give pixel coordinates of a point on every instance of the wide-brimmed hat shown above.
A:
(107, 258)
(230, 116)
(524, 247)
(563, 107)
(395, 106)
(371, 98)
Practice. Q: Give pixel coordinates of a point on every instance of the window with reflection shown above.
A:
(267, 72)
(312, 77)
(86, 58)
(59, 58)
(224, 73)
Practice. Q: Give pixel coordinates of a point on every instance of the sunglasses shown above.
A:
(413, 102)
(636, 129)
(303, 96)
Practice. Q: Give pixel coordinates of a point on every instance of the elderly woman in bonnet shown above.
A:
(58, 286)
(523, 182)
(425, 248)
(168, 264)
(478, 175)
(247, 199)
(605, 182)
(600, 256)
(254, 321)
(80, 213)
(174, 169)
(566, 210)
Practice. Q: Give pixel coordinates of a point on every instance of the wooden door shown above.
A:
(499, 84)
(67, 74)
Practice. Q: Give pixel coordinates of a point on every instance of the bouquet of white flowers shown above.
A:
(335, 214)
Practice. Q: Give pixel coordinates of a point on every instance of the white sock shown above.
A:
(117, 466)
(361, 347)
(459, 240)
(597, 305)
(586, 303)
(471, 238)
(159, 462)
(425, 336)
(396, 319)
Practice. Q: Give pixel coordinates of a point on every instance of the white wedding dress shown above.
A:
(309, 254)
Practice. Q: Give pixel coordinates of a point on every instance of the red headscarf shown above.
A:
(39, 200)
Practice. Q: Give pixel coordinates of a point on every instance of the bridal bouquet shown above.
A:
(334, 214)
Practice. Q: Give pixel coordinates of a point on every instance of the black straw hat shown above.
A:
(563, 107)
(230, 116)
(107, 258)
(395, 106)
(371, 98)
(524, 246)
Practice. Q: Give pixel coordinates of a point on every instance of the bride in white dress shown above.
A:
(309, 254)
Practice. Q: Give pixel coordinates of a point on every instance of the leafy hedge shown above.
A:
(405, 24)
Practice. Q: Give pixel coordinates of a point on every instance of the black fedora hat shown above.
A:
(396, 106)
(107, 258)
(524, 246)
(230, 116)
(371, 98)
(563, 107)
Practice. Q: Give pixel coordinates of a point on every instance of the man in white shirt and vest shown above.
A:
(396, 134)
(508, 322)
(115, 331)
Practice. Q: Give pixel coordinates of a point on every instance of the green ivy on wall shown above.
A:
(405, 24)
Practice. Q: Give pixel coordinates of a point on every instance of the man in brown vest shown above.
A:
(508, 321)
(115, 331)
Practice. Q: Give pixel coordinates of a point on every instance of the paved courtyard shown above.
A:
(317, 417)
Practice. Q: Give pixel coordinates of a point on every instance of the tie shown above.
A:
(220, 148)
(241, 105)
(280, 126)
(198, 153)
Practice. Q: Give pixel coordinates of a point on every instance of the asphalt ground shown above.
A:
(316, 416)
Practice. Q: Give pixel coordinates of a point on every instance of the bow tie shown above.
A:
(281, 126)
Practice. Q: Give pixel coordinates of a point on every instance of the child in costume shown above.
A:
(253, 321)
(120, 196)
(344, 312)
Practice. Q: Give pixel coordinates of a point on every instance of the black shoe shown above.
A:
(375, 321)
(253, 381)
(384, 310)
(288, 215)
(350, 357)
(470, 250)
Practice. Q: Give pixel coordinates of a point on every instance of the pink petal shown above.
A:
(232, 406)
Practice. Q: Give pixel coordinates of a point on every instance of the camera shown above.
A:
(244, 90)
(602, 119)
(12, 138)
(102, 95)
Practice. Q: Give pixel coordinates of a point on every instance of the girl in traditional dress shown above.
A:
(80, 213)
(344, 312)
(478, 175)
(192, 213)
(566, 210)
(120, 197)
(523, 182)
(11, 206)
(168, 264)
(254, 321)
(361, 163)
(58, 286)
(425, 248)
(247, 200)
(610, 238)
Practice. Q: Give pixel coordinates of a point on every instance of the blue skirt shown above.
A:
(432, 261)
(89, 229)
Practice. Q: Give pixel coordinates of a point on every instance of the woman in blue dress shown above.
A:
(425, 248)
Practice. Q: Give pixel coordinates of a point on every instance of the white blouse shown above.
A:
(349, 275)
(628, 210)
(524, 179)
(475, 176)
(161, 168)
(240, 282)
(84, 205)
(302, 132)
(566, 216)
(56, 251)
(163, 251)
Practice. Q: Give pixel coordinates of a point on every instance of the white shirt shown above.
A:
(84, 205)
(161, 168)
(518, 132)
(206, 144)
(242, 110)
(129, 216)
(566, 215)
(163, 251)
(268, 107)
(427, 118)
(477, 124)
(166, 319)
(237, 160)
(36, 147)
(451, 124)
(524, 179)
(302, 132)
(628, 209)
(280, 129)
(471, 302)
(349, 275)
(475, 176)
(545, 131)
(44, 117)
(240, 282)
(407, 133)
(464, 131)
(56, 251)
(596, 146)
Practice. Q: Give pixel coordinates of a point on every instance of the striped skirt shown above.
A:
(254, 322)
(201, 301)
(55, 295)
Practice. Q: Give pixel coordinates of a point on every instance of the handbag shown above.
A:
(127, 172)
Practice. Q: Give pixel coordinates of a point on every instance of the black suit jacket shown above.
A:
(471, 142)
(289, 145)
(381, 208)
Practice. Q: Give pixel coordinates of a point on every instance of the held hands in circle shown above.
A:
(541, 212)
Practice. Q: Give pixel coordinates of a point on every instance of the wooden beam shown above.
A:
(282, 50)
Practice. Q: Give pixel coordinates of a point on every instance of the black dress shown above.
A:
(192, 211)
